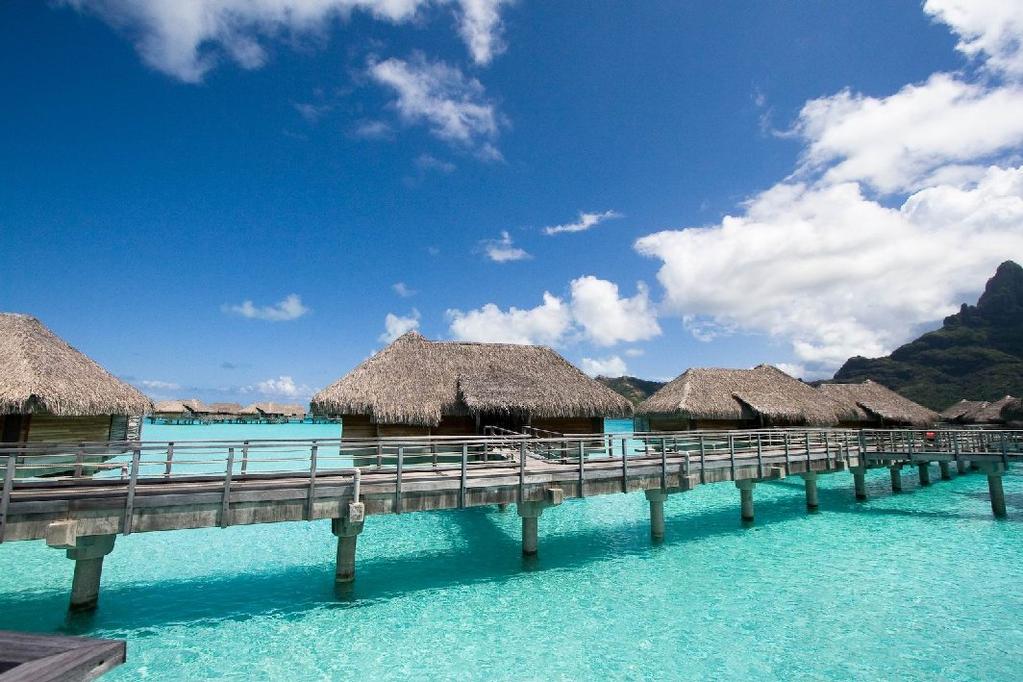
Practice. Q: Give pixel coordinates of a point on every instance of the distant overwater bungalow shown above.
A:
(871, 405)
(51, 392)
(712, 398)
(272, 412)
(417, 387)
(984, 413)
(191, 411)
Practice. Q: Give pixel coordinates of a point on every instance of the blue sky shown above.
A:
(775, 182)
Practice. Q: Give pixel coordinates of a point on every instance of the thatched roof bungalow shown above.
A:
(421, 387)
(271, 410)
(989, 412)
(711, 398)
(181, 410)
(51, 392)
(873, 405)
(955, 412)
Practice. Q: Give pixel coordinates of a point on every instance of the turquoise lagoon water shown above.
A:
(922, 585)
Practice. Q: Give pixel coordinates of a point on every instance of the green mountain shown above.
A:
(977, 353)
(635, 390)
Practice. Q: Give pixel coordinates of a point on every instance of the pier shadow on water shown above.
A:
(485, 549)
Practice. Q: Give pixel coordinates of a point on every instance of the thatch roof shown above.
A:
(961, 409)
(869, 401)
(740, 394)
(40, 373)
(190, 405)
(989, 413)
(224, 408)
(1012, 412)
(415, 381)
(274, 409)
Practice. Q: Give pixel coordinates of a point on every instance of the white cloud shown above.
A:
(503, 250)
(838, 274)
(373, 130)
(187, 38)
(453, 105)
(312, 112)
(480, 27)
(898, 143)
(613, 366)
(634, 352)
(154, 384)
(794, 370)
(403, 290)
(989, 30)
(585, 222)
(281, 387)
(428, 162)
(291, 308)
(606, 318)
(545, 324)
(395, 325)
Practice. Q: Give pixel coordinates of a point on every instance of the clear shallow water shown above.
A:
(922, 585)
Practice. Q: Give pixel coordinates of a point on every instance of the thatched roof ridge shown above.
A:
(867, 401)
(41, 373)
(224, 408)
(738, 394)
(960, 409)
(181, 406)
(416, 381)
(272, 408)
(989, 413)
(1012, 412)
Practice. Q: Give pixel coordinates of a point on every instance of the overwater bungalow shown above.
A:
(51, 392)
(273, 412)
(988, 413)
(224, 412)
(417, 387)
(711, 398)
(955, 412)
(190, 411)
(873, 405)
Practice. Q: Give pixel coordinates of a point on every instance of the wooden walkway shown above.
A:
(78, 498)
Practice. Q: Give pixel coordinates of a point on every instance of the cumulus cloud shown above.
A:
(372, 130)
(291, 308)
(403, 290)
(988, 30)
(606, 318)
(452, 105)
(544, 324)
(613, 366)
(187, 38)
(480, 27)
(157, 385)
(503, 250)
(900, 208)
(585, 222)
(396, 325)
(280, 387)
(428, 162)
(596, 312)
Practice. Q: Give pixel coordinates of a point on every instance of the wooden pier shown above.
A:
(191, 484)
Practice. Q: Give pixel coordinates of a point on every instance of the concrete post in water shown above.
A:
(88, 554)
(994, 471)
(945, 474)
(925, 473)
(656, 498)
(860, 482)
(962, 467)
(810, 478)
(530, 513)
(347, 530)
(896, 471)
(746, 497)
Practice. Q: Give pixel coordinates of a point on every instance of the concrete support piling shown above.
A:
(656, 499)
(810, 483)
(896, 472)
(88, 554)
(860, 483)
(962, 466)
(925, 473)
(347, 530)
(995, 471)
(946, 475)
(746, 498)
(530, 513)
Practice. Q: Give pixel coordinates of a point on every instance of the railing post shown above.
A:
(225, 499)
(5, 496)
(625, 468)
(462, 480)
(731, 454)
(664, 464)
(80, 461)
(129, 501)
(582, 465)
(760, 455)
(703, 457)
(522, 473)
(170, 460)
(245, 457)
(380, 454)
(312, 481)
(806, 441)
(397, 481)
(787, 461)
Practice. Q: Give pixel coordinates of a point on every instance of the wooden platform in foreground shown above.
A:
(28, 657)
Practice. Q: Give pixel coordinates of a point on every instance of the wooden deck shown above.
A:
(170, 486)
(28, 657)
